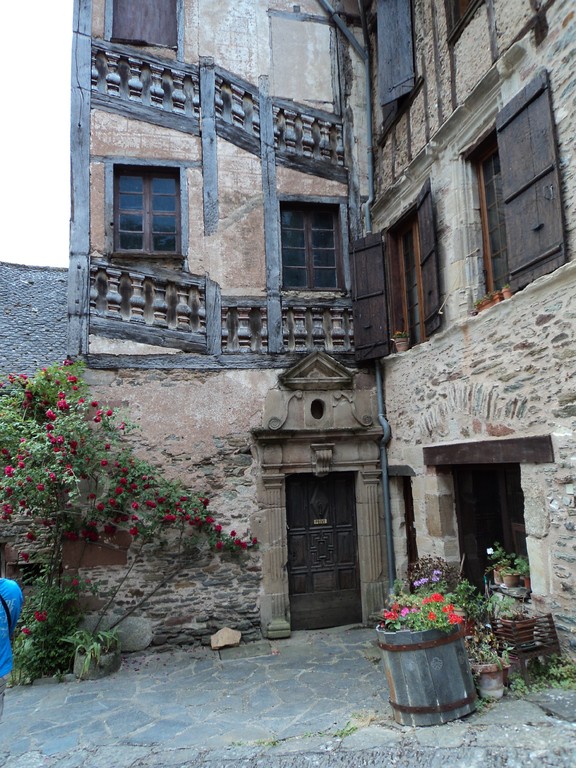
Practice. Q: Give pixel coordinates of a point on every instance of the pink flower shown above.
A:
(8, 471)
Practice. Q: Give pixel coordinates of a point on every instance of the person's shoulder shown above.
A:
(10, 588)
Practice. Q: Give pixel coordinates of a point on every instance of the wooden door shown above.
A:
(322, 551)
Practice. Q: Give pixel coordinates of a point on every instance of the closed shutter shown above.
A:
(151, 22)
(531, 184)
(371, 330)
(429, 262)
(395, 50)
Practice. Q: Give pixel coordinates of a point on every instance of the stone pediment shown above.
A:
(317, 371)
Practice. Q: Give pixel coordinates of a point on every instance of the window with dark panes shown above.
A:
(399, 289)
(145, 22)
(147, 211)
(495, 250)
(413, 272)
(459, 12)
(311, 257)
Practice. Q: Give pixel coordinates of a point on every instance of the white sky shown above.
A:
(34, 131)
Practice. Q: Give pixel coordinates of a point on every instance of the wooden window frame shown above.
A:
(308, 209)
(458, 15)
(405, 317)
(489, 148)
(147, 173)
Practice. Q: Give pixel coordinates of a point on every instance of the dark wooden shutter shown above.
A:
(371, 330)
(429, 262)
(395, 50)
(151, 22)
(531, 184)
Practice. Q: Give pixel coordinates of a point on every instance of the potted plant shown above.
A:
(96, 654)
(468, 603)
(510, 575)
(421, 637)
(486, 663)
(523, 568)
(401, 340)
(498, 559)
(506, 291)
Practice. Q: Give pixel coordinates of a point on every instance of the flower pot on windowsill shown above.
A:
(402, 343)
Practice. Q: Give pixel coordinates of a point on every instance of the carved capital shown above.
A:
(322, 458)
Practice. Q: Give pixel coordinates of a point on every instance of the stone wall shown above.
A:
(33, 317)
(507, 372)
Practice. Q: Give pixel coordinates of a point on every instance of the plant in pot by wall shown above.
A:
(510, 575)
(96, 654)
(523, 569)
(421, 637)
(487, 665)
(498, 559)
(401, 340)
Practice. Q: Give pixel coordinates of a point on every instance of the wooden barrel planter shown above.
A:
(428, 675)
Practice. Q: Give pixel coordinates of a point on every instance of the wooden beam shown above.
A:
(535, 449)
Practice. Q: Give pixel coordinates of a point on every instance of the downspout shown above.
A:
(386, 431)
(386, 435)
(364, 53)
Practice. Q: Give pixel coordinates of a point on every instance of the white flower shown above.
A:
(489, 551)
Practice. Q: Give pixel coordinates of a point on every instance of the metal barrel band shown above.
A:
(449, 707)
(420, 646)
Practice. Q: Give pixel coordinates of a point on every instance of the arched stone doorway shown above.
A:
(321, 419)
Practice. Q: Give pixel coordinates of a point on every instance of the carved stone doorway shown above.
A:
(321, 419)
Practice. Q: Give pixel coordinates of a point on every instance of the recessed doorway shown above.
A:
(323, 573)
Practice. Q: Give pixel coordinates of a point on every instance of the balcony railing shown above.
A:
(178, 310)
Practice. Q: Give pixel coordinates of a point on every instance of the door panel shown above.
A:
(322, 551)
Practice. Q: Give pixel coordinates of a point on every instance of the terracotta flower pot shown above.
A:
(489, 680)
(511, 579)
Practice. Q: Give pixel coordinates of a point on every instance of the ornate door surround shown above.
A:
(321, 418)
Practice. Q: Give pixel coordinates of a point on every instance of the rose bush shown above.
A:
(68, 471)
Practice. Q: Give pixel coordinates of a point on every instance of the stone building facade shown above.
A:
(249, 228)
(481, 407)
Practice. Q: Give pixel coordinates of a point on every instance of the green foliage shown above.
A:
(51, 611)
(68, 471)
(92, 645)
(418, 613)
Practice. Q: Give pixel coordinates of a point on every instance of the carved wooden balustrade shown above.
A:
(119, 74)
(302, 135)
(316, 136)
(309, 326)
(178, 310)
(167, 308)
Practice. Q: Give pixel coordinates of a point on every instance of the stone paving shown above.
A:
(316, 699)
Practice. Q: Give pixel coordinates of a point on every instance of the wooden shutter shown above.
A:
(395, 50)
(531, 184)
(151, 22)
(371, 330)
(429, 262)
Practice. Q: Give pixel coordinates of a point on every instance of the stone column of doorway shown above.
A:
(275, 610)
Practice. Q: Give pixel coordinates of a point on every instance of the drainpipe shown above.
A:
(386, 435)
(364, 53)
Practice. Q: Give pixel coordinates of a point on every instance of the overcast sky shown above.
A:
(35, 205)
